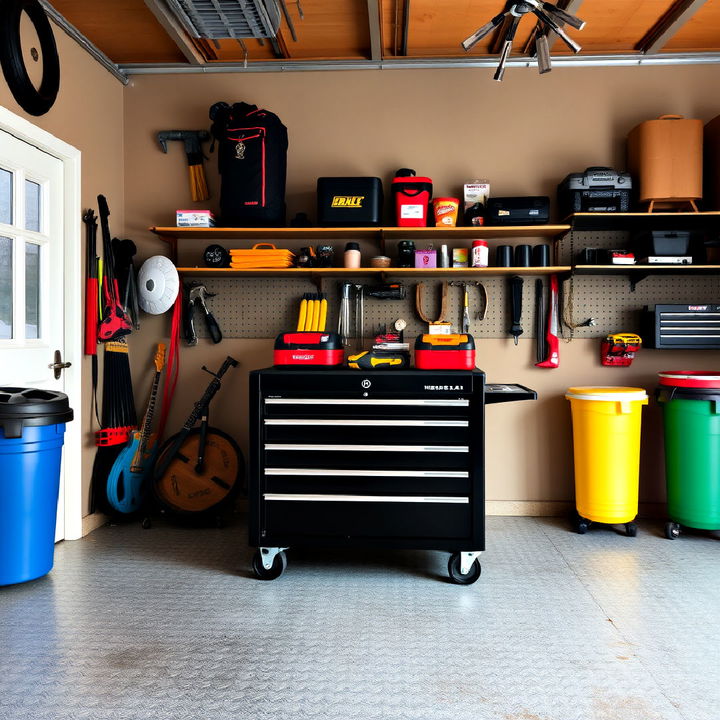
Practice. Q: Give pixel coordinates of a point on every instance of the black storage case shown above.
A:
(338, 458)
(349, 201)
(533, 210)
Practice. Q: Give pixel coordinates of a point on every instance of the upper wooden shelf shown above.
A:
(369, 233)
(633, 222)
(359, 272)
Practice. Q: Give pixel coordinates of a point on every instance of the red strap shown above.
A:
(173, 365)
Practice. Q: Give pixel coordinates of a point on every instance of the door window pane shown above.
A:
(6, 196)
(32, 291)
(32, 206)
(6, 294)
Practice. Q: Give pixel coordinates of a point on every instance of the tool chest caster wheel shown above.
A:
(672, 530)
(277, 568)
(581, 524)
(631, 529)
(457, 576)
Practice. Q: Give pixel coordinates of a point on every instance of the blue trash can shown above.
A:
(32, 429)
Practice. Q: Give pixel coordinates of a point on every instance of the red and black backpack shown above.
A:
(252, 159)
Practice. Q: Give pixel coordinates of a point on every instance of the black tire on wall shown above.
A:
(35, 101)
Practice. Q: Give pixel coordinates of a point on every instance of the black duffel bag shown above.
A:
(252, 159)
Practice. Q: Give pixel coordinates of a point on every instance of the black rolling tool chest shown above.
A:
(379, 459)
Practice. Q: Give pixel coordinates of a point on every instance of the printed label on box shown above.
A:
(413, 212)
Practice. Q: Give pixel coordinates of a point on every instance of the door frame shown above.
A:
(73, 297)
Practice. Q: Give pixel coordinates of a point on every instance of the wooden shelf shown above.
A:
(360, 272)
(363, 233)
(634, 222)
(646, 269)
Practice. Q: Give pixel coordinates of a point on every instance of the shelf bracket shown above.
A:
(317, 281)
(636, 278)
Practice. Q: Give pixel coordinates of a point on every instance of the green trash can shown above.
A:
(691, 416)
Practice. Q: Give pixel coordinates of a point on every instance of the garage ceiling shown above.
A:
(143, 36)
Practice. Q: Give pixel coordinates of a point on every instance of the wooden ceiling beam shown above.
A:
(374, 27)
(175, 31)
(668, 25)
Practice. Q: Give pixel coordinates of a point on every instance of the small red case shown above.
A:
(445, 352)
(308, 348)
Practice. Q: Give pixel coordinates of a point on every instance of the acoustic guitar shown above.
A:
(129, 479)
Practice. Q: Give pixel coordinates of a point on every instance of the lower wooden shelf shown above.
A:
(359, 272)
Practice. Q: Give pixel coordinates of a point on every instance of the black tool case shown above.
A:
(349, 201)
(681, 327)
(390, 459)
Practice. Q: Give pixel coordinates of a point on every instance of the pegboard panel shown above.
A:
(574, 242)
(265, 307)
(608, 299)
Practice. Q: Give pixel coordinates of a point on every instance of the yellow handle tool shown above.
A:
(323, 314)
(370, 360)
(303, 314)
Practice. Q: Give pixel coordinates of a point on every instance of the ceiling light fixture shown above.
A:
(550, 18)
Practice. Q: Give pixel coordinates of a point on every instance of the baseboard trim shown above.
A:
(93, 522)
(543, 508)
(536, 508)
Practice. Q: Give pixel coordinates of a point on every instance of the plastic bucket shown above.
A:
(606, 442)
(691, 419)
(32, 430)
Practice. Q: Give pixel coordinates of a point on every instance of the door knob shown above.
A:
(58, 365)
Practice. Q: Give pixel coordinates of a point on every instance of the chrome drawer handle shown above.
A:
(324, 472)
(368, 423)
(309, 497)
(337, 401)
(370, 448)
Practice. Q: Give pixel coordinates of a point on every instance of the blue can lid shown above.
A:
(32, 407)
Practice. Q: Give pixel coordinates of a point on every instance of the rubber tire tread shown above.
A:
(35, 101)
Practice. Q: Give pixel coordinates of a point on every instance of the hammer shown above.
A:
(193, 150)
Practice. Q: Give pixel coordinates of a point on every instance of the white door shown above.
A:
(31, 270)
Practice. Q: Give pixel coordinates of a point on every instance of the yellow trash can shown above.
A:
(606, 440)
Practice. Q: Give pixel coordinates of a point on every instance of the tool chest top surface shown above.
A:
(375, 383)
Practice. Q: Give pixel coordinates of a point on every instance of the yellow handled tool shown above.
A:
(303, 313)
(371, 359)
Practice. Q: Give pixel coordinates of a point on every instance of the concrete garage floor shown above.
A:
(168, 624)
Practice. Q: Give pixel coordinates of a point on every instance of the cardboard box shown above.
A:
(666, 157)
(477, 191)
(194, 218)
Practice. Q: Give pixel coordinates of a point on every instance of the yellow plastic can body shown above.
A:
(606, 441)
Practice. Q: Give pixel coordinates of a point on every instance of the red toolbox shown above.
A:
(412, 196)
(323, 349)
(445, 352)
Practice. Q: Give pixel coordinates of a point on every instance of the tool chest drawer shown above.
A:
(367, 430)
(367, 516)
(365, 481)
(351, 409)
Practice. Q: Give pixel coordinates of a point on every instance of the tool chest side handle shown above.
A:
(501, 393)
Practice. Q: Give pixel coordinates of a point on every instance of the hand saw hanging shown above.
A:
(550, 18)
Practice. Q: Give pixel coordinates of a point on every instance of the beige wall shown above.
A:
(524, 135)
(87, 114)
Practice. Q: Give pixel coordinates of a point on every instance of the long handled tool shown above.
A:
(193, 151)
(552, 343)
(115, 322)
(516, 292)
